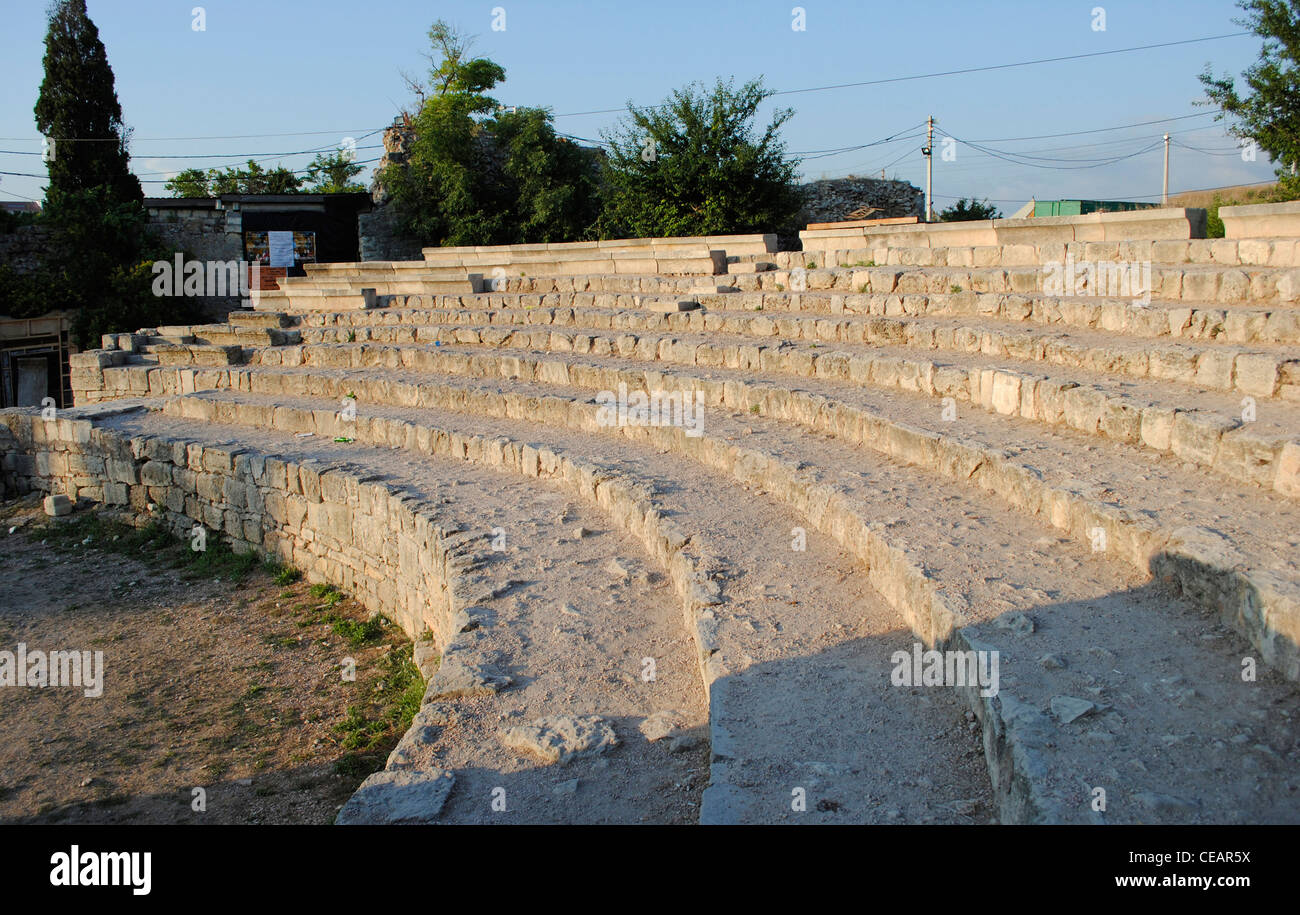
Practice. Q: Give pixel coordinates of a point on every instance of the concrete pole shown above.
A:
(1164, 196)
(929, 167)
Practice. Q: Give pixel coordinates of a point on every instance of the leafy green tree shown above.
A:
(250, 179)
(695, 165)
(253, 179)
(477, 174)
(332, 173)
(966, 209)
(551, 183)
(192, 182)
(1268, 110)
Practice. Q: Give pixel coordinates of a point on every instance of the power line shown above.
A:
(1077, 133)
(268, 155)
(298, 171)
(246, 136)
(899, 79)
(838, 152)
(1007, 155)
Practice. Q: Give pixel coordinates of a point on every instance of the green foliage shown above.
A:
(966, 209)
(99, 262)
(368, 731)
(100, 251)
(1268, 111)
(444, 192)
(250, 179)
(1213, 223)
(78, 108)
(551, 182)
(333, 173)
(152, 543)
(358, 633)
(192, 182)
(696, 166)
(478, 175)
(329, 594)
(287, 575)
(453, 73)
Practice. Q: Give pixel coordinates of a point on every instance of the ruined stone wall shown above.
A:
(394, 556)
(838, 199)
(378, 235)
(24, 248)
(206, 234)
(380, 239)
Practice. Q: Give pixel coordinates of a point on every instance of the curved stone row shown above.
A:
(1020, 739)
(1214, 439)
(1220, 367)
(1257, 601)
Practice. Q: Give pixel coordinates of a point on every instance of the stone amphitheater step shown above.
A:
(1234, 324)
(1135, 672)
(1231, 546)
(1254, 441)
(798, 676)
(1260, 370)
(647, 284)
(195, 354)
(1193, 283)
(1094, 505)
(1222, 252)
(269, 319)
(1190, 321)
(731, 244)
(334, 299)
(517, 624)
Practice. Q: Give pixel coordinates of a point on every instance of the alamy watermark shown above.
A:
(946, 668)
(206, 278)
(38, 669)
(657, 408)
(1115, 279)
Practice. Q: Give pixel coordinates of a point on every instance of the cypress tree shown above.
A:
(100, 250)
(78, 109)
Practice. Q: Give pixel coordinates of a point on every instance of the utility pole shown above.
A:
(928, 152)
(1164, 197)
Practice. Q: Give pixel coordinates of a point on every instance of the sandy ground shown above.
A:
(227, 687)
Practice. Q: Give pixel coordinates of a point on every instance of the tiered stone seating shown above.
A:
(1106, 492)
(328, 287)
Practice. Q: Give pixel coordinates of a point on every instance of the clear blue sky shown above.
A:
(330, 68)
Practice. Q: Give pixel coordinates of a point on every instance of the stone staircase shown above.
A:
(1101, 493)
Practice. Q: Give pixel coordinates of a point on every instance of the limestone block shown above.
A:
(1214, 370)
(1005, 396)
(1196, 436)
(1287, 476)
(1244, 455)
(1257, 374)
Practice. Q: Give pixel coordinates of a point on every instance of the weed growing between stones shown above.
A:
(371, 729)
(153, 542)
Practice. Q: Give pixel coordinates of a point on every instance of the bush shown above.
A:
(965, 210)
(695, 166)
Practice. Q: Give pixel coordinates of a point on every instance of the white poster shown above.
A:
(280, 245)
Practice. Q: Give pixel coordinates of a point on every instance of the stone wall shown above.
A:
(393, 555)
(24, 248)
(204, 233)
(838, 199)
(378, 236)
(381, 240)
